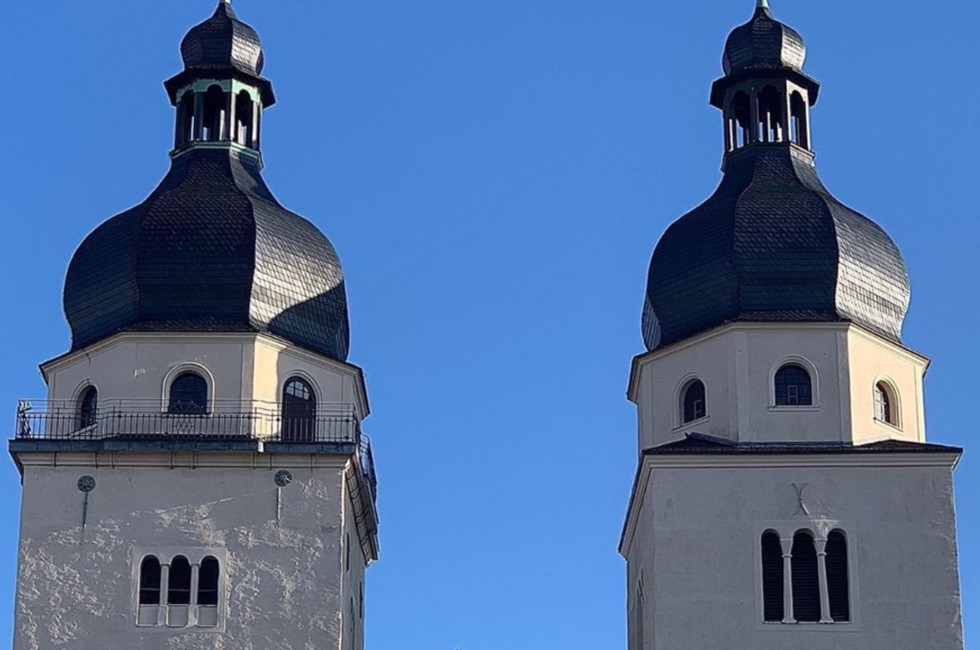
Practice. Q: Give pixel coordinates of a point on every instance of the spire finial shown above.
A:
(760, 4)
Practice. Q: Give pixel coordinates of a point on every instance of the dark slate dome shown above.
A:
(772, 244)
(209, 250)
(763, 43)
(222, 41)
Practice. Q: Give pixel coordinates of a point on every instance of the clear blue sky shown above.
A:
(495, 176)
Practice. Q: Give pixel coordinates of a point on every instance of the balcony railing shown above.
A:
(134, 419)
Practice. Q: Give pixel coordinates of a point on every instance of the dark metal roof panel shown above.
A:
(703, 444)
(763, 43)
(209, 250)
(772, 244)
(222, 41)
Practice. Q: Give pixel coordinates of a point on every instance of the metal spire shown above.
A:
(760, 4)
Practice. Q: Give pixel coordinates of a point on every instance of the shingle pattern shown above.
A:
(772, 244)
(209, 250)
(763, 43)
(222, 41)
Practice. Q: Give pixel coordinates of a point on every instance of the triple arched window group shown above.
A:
(792, 386)
(168, 592)
(805, 579)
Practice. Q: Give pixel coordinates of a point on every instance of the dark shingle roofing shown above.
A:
(763, 43)
(696, 443)
(209, 250)
(772, 244)
(223, 41)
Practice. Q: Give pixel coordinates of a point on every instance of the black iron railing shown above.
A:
(225, 421)
(53, 421)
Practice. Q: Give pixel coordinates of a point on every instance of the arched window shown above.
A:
(179, 585)
(770, 115)
(88, 407)
(215, 114)
(189, 394)
(884, 404)
(243, 119)
(806, 583)
(185, 119)
(149, 581)
(693, 406)
(793, 387)
(837, 581)
(798, 127)
(298, 411)
(207, 588)
(772, 577)
(741, 119)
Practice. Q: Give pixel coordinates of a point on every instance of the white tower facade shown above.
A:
(197, 476)
(786, 494)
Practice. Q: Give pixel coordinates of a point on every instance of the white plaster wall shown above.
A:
(283, 581)
(697, 546)
(737, 364)
(873, 360)
(135, 368)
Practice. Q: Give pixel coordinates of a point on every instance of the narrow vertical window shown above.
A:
(179, 587)
(149, 581)
(88, 407)
(837, 580)
(693, 405)
(884, 405)
(298, 411)
(772, 578)
(207, 588)
(806, 581)
(793, 386)
(188, 394)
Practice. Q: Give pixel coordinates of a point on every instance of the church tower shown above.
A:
(786, 495)
(197, 476)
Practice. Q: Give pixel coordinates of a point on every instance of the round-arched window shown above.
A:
(885, 410)
(188, 394)
(793, 386)
(693, 405)
(88, 407)
(298, 411)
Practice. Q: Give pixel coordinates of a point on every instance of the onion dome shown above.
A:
(222, 47)
(223, 41)
(772, 244)
(211, 249)
(763, 43)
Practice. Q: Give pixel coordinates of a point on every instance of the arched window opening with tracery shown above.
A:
(885, 410)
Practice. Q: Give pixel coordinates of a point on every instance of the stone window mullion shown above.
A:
(787, 546)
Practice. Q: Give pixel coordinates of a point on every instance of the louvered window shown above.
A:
(837, 580)
(806, 583)
(772, 577)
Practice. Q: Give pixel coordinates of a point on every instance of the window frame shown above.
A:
(162, 614)
(820, 530)
(894, 402)
(680, 396)
(176, 373)
(810, 369)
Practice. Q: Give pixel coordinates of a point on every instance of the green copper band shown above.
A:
(762, 4)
